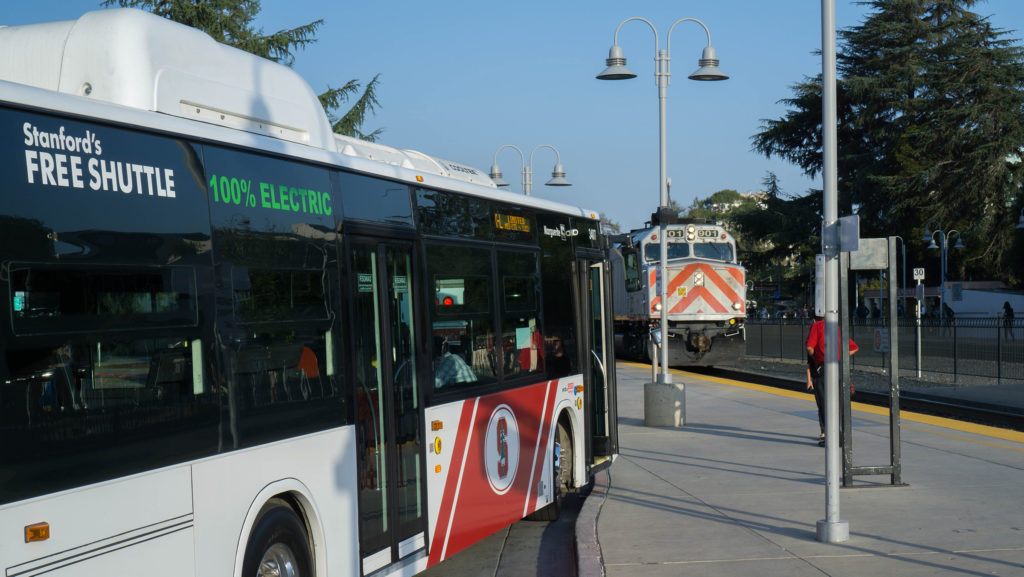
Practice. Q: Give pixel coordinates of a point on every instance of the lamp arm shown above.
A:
(668, 41)
(653, 29)
(504, 146)
(558, 157)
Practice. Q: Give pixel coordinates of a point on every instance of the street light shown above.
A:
(903, 287)
(1020, 222)
(557, 175)
(944, 245)
(616, 70)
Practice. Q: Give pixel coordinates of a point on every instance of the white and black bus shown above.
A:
(237, 344)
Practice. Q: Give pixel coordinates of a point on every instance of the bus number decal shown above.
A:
(501, 449)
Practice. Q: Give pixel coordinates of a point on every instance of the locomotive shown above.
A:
(706, 293)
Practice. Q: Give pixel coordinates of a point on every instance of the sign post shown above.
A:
(919, 276)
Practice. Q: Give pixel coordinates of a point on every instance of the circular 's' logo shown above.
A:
(501, 449)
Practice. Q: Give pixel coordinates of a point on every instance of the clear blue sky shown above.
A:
(459, 79)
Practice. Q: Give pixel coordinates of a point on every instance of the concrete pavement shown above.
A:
(739, 489)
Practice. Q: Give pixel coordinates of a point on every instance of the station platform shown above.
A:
(739, 489)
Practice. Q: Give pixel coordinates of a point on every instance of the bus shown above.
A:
(706, 293)
(236, 343)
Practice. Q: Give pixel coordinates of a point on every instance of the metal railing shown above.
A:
(979, 348)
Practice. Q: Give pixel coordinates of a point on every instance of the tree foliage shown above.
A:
(776, 231)
(231, 22)
(931, 116)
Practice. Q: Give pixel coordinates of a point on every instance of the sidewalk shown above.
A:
(739, 489)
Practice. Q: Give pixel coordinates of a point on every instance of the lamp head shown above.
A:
(1020, 223)
(558, 177)
(616, 66)
(708, 67)
(933, 245)
(496, 176)
(959, 243)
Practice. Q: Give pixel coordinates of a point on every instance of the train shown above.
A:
(706, 292)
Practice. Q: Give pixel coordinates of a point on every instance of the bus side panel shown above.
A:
(169, 556)
(317, 469)
(494, 465)
(90, 527)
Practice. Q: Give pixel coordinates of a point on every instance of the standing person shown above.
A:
(816, 369)
(1008, 319)
(947, 318)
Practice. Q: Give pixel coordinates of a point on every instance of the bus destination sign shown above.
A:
(511, 222)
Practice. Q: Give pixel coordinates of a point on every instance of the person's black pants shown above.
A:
(819, 399)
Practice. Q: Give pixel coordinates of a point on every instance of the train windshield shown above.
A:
(708, 250)
(652, 253)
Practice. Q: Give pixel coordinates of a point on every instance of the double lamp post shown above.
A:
(708, 70)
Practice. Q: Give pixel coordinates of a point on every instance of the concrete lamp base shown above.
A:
(664, 404)
(836, 532)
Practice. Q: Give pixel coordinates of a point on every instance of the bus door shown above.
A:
(597, 344)
(388, 403)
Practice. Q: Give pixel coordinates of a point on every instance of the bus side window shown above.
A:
(462, 316)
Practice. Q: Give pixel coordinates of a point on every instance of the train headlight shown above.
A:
(698, 279)
(656, 308)
(691, 232)
(737, 305)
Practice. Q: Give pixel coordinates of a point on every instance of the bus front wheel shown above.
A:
(561, 461)
(278, 545)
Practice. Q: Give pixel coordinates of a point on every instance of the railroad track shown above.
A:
(981, 413)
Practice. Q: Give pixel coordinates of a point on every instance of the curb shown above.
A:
(588, 550)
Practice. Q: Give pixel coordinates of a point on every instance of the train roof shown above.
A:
(138, 61)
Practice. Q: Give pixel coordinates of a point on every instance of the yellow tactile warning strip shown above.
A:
(906, 416)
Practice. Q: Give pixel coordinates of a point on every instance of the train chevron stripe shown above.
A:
(717, 297)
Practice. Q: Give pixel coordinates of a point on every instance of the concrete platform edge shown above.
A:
(589, 562)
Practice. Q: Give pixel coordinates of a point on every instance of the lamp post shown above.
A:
(903, 285)
(557, 175)
(944, 252)
(616, 70)
(1020, 221)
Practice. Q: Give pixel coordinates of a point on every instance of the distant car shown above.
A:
(785, 310)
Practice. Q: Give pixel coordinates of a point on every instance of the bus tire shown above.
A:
(561, 459)
(278, 544)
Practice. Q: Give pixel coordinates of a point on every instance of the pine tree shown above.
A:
(931, 113)
(231, 22)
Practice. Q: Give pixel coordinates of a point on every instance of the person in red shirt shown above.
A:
(816, 368)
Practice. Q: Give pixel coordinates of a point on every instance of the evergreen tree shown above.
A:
(778, 233)
(931, 112)
(231, 22)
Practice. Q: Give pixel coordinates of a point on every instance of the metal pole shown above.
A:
(662, 74)
(832, 529)
(942, 284)
(894, 378)
(917, 316)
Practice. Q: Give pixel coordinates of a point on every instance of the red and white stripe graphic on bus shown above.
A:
(489, 464)
(720, 288)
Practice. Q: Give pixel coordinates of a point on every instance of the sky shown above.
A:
(460, 79)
